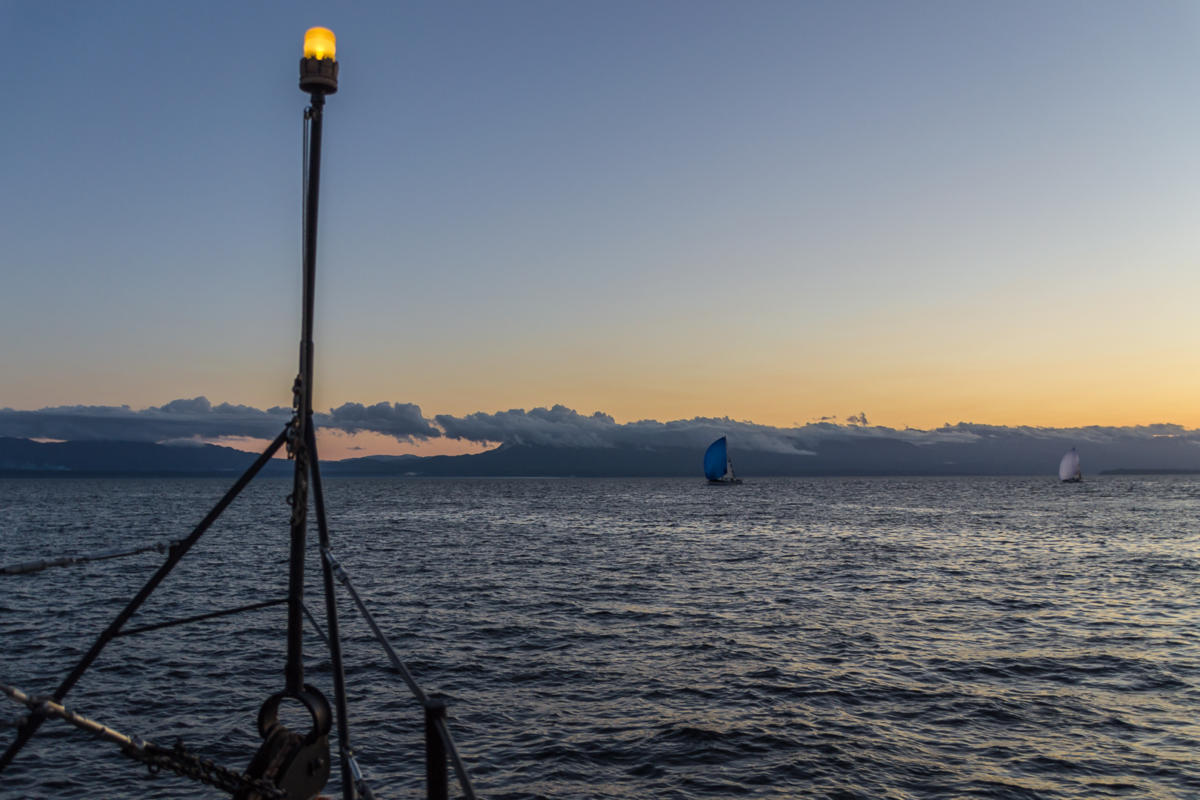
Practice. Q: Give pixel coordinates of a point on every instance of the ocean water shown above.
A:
(829, 638)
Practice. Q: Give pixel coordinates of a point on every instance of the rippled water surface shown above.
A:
(840, 638)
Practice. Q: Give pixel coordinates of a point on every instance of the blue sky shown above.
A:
(928, 211)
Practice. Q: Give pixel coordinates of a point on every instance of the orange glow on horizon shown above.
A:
(335, 446)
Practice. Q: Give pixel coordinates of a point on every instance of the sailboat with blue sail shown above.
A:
(718, 466)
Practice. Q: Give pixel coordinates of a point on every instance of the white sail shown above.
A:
(1068, 468)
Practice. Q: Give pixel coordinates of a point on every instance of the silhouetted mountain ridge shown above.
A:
(864, 455)
(27, 457)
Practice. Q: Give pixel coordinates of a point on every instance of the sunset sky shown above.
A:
(774, 211)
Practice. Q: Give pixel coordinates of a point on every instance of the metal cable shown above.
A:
(201, 617)
(460, 769)
(65, 561)
(304, 176)
(333, 642)
(399, 665)
(356, 773)
(316, 625)
(443, 731)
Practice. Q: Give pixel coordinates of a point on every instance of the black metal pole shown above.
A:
(437, 786)
(331, 617)
(34, 721)
(294, 672)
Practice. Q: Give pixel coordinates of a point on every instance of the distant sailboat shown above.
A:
(718, 466)
(1068, 468)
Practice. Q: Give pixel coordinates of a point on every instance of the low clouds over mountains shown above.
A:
(814, 448)
(197, 418)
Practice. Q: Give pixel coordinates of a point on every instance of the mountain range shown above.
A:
(878, 455)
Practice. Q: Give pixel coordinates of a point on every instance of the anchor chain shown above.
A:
(203, 770)
(154, 756)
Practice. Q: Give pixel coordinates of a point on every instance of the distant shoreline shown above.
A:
(66, 474)
(866, 457)
(1149, 471)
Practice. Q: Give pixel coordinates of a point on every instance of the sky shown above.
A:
(775, 212)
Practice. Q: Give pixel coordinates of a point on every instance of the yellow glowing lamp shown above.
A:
(318, 69)
(320, 43)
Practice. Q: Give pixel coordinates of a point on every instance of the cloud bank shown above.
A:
(401, 420)
(197, 418)
(562, 427)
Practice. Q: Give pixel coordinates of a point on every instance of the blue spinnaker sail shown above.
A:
(714, 460)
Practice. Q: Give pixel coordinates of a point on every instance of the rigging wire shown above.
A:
(27, 730)
(66, 561)
(305, 125)
(443, 730)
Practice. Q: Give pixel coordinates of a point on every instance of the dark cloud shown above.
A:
(560, 426)
(197, 418)
(563, 427)
(555, 427)
(401, 420)
(179, 419)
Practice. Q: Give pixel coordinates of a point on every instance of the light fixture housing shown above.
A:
(318, 67)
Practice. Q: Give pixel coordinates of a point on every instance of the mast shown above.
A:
(301, 763)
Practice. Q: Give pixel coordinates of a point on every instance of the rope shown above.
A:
(156, 757)
(64, 561)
